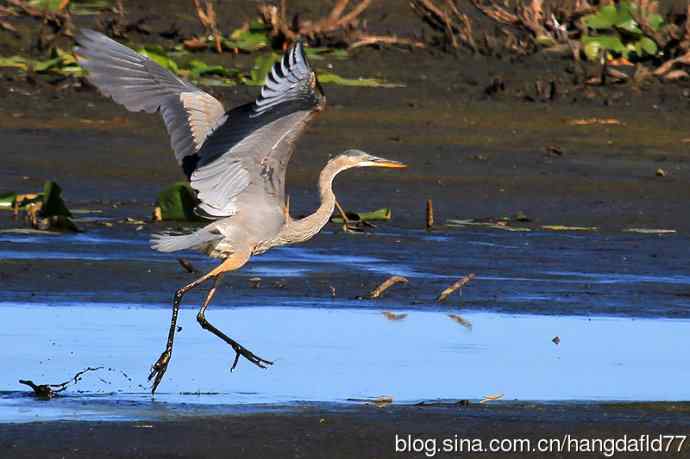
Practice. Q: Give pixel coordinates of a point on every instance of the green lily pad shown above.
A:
(177, 202)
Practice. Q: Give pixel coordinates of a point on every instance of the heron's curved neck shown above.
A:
(305, 228)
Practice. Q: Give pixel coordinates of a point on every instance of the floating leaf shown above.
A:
(375, 215)
(17, 62)
(320, 53)
(44, 66)
(332, 78)
(199, 68)
(7, 200)
(569, 228)
(177, 202)
(223, 82)
(157, 55)
(650, 231)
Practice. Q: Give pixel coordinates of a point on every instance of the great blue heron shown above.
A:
(235, 160)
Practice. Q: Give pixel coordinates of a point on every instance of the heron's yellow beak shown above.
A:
(383, 162)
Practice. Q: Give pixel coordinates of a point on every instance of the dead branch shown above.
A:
(207, 16)
(456, 25)
(457, 285)
(343, 23)
(371, 40)
(530, 16)
(388, 283)
(51, 390)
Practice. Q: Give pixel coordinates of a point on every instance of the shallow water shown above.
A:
(618, 302)
(328, 355)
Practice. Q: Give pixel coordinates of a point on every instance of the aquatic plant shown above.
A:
(616, 31)
(176, 202)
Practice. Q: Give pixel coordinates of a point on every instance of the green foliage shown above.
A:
(318, 54)
(7, 200)
(332, 78)
(158, 55)
(374, 215)
(177, 202)
(616, 32)
(64, 63)
(250, 39)
(60, 62)
(262, 65)
(78, 7)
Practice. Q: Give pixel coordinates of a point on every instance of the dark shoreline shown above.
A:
(363, 431)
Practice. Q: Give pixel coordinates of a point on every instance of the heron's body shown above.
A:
(235, 160)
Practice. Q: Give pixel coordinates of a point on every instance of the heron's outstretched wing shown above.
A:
(138, 83)
(245, 159)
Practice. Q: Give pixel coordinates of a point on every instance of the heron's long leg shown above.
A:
(239, 349)
(161, 365)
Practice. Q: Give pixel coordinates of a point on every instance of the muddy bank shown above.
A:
(330, 432)
(476, 148)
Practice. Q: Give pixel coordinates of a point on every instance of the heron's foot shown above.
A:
(158, 369)
(247, 354)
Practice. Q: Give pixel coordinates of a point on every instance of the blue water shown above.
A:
(620, 304)
(331, 355)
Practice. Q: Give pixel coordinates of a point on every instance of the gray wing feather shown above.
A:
(244, 161)
(288, 79)
(140, 84)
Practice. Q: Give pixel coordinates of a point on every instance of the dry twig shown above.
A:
(388, 283)
(460, 283)
(207, 16)
(342, 23)
(455, 24)
(51, 390)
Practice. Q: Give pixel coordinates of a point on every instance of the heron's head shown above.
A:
(359, 158)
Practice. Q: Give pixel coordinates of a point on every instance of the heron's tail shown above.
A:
(170, 243)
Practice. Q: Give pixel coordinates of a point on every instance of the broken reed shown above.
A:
(457, 285)
(385, 285)
(429, 214)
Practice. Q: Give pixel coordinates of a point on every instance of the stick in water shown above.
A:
(429, 214)
(388, 283)
(460, 283)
